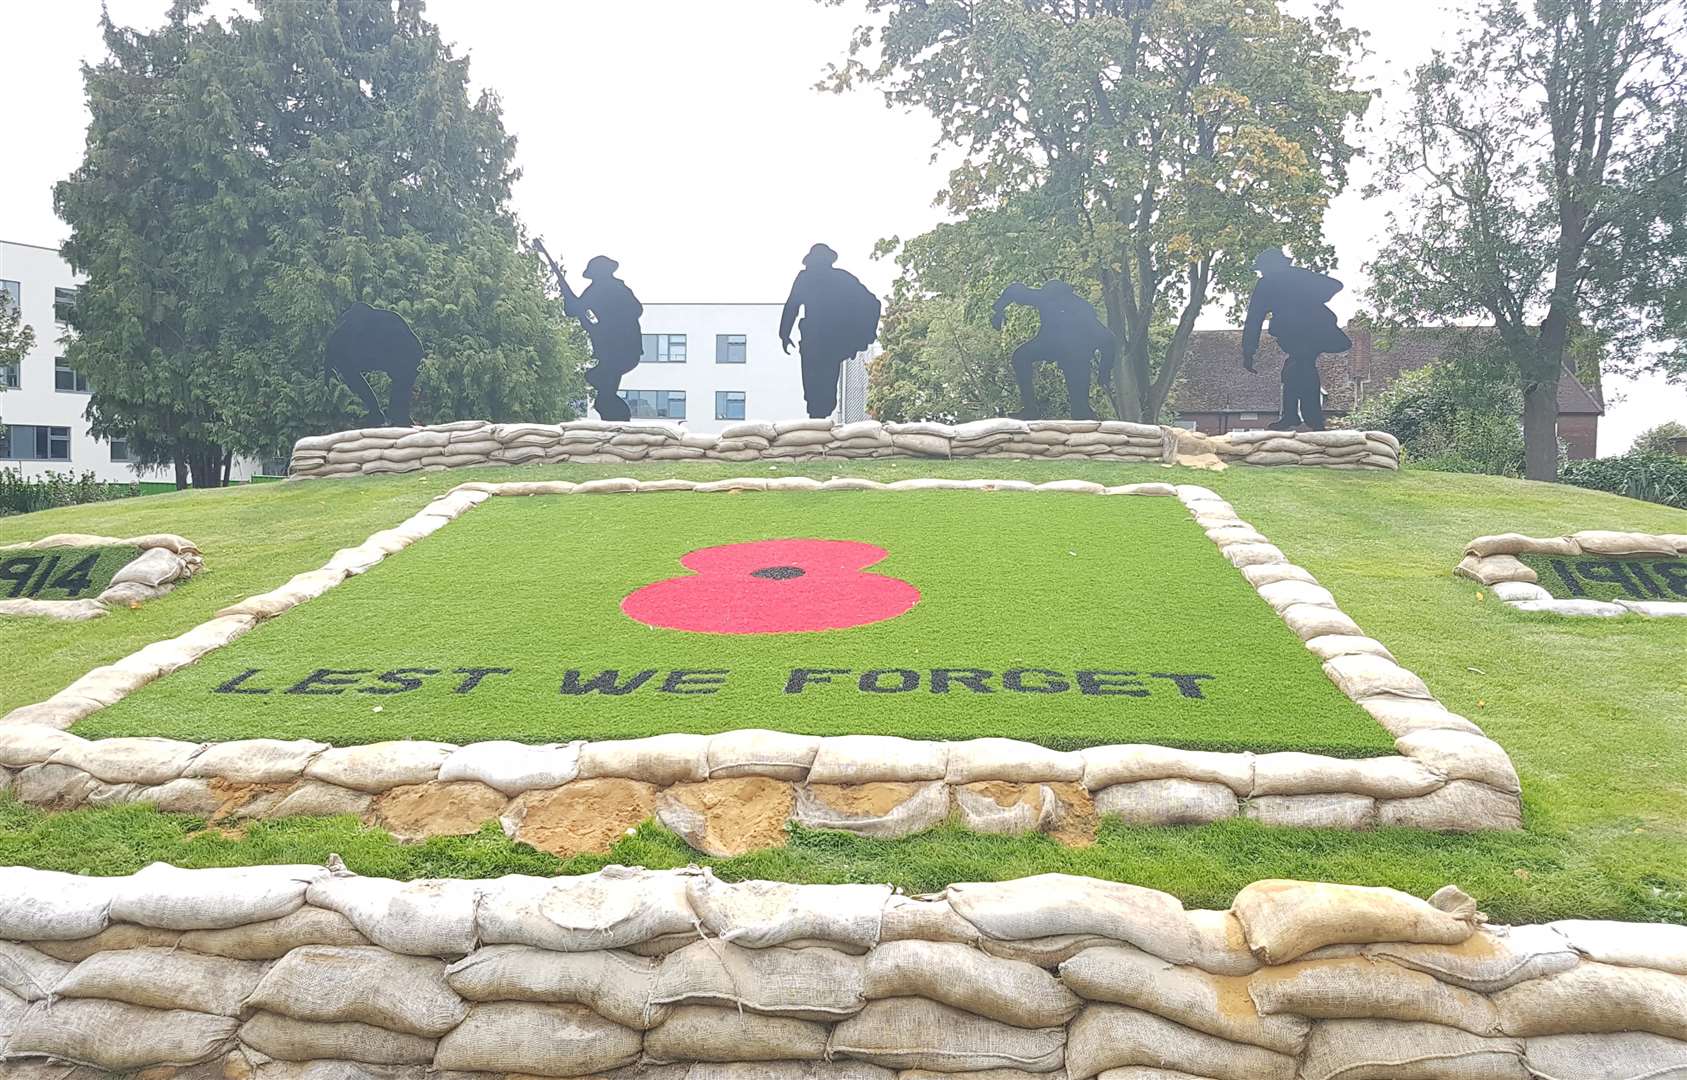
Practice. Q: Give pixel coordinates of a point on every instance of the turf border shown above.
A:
(1446, 776)
(1493, 561)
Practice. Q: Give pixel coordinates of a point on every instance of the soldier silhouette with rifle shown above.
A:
(1294, 299)
(840, 319)
(1069, 333)
(610, 314)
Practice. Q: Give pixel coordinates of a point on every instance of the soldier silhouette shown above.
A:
(1070, 334)
(840, 319)
(375, 339)
(610, 314)
(1294, 299)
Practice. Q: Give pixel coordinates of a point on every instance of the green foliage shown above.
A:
(1542, 163)
(1650, 477)
(23, 495)
(1450, 416)
(1660, 439)
(1145, 151)
(247, 180)
(16, 336)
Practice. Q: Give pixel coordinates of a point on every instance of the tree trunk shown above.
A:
(206, 466)
(228, 466)
(1540, 429)
(181, 468)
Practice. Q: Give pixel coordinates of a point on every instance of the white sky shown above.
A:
(683, 138)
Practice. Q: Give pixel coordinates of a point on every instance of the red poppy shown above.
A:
(774, 587)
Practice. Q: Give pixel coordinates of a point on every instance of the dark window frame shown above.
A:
(726, 343)
(659, 349)
(658, 401)
(44, 437)
(78, 381)
(723, 401)
(63, 299)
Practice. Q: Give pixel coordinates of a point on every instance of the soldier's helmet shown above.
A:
(601, 266)
(820, 255)
(1270, 259)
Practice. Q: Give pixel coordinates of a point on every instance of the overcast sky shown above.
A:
(682, 137)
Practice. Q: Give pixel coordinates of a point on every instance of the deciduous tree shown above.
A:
(1542, 162)
(1160, 144)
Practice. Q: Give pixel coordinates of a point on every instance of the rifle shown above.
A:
(570, 302)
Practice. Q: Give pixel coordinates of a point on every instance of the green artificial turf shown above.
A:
(532, 588)
(61, 573)
(1650, 579)
(1592, 712)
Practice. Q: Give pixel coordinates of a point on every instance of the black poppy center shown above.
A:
(778, 573)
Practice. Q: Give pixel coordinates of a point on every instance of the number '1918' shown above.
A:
(28, 575)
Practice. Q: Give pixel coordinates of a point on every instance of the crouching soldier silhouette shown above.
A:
(374, 339)
(840, 319)
(610, 314)
(1070, 335)
(1294, 299)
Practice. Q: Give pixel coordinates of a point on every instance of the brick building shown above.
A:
(1217, 395)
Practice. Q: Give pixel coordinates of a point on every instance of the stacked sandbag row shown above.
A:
(165, 561)
(1448, 775)
(736, 791)
(266, 969)
(1493, 561)
(372, 451)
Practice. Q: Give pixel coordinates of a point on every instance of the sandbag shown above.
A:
(1596, 997)
(1389, 1050)
(786, 1070)
(380, 767)
(1661, 946)
(116, 1036)
(755, 752)
(662, 760)
(512, 767)
(1360, 988)
(1631, 1056)
(1058, 904)
(860, 759)
(1215, 1004)
(1220, 946)
(1112, 1036)
(48, 905)
(757, 914)
(1606, 542)
(29, 973)
(1285, 920)
(616, 985)
(702, 1033)
(255, 761)
(810, 984)
(540, 1040)
(419, 918)
(275, 938)
(171, 898)
(1490, 961)
(1007, 990)
(117, 936)
(616, 907)
(913, 1033)
(164, 979)
(1012, 760)
(926, 807)
(301, 1040)
(908, 918)
(361, 984)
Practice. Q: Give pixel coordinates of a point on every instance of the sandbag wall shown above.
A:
(1493, 561)
(373, 451)
(258, 970)
(165, 561)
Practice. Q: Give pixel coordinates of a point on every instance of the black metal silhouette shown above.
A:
(840, 319)
(1070, 334)
(610, 314)
(1294, 299)
(374, 339)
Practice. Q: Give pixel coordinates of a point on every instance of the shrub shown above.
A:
(19, 495)
(1659, 440)
(1659, 478)
(1451, 419)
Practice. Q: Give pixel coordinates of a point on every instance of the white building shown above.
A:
(42, 427)
(712, 365)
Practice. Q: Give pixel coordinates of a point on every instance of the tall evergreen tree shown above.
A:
(244, 183)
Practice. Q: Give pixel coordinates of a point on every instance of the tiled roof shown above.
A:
(1213, 379)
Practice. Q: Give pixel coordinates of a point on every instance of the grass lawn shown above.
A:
(1593, 712)
(533, 588)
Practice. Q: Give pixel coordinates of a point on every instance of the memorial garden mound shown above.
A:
(943, 615)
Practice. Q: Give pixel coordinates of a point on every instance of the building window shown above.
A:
(68, 380)
(656, 404)
(13, 292)
(731, 349)
(63, 301)
(34, 442)
(729, 404)
(663, 349)
(119, 451)
(10, 377)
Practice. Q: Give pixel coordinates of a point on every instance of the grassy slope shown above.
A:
(534, 585)
(1592, 712)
